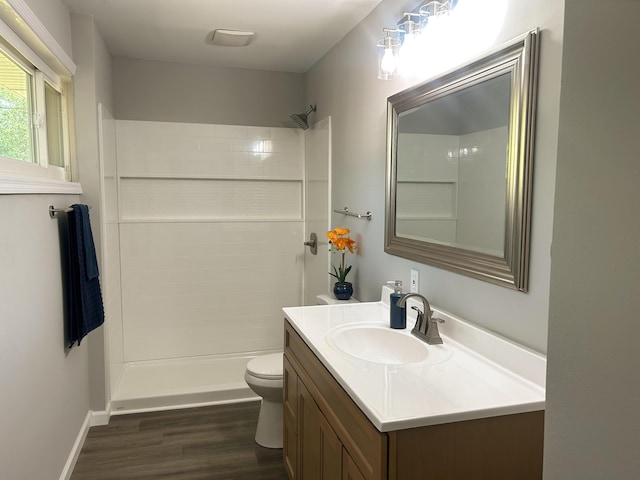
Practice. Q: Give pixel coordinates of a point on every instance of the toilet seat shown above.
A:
(266, 367)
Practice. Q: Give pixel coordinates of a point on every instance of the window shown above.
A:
(16, 105)
(55, 137)
(32, 127)
(36, 82)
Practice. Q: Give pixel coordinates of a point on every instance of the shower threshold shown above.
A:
(182, 383)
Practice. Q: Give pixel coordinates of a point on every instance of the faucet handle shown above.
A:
(432, 333)
(419, 318)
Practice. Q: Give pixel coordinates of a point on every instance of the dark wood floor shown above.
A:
(212, 443)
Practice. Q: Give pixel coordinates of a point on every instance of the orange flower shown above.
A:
(350, 244)
(340, 242)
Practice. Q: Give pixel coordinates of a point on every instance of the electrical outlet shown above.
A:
(414, 281)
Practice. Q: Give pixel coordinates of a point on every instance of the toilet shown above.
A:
(264, 377)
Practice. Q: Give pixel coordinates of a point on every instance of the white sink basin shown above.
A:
(378, 344)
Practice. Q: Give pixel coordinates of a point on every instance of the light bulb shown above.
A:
(388, 63)
(408, 55)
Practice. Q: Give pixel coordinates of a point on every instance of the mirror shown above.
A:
(459, 160)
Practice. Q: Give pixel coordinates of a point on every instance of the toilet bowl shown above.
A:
(264, 377)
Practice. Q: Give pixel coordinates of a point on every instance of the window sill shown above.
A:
(18, 184)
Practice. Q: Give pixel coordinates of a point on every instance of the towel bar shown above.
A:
(346, 211)
(53, 210)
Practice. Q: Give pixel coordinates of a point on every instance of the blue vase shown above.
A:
(343, 291)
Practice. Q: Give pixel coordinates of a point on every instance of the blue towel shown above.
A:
(90, 260)
(86, 311)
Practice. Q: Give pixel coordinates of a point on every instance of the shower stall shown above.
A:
(203, 245)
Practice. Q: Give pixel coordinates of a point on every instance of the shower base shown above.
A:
(182, 383)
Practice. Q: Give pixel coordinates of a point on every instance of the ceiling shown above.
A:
(291, 35)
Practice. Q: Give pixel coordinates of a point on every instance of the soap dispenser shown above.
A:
(398, 316)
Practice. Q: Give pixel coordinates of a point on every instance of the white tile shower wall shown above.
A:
(441, 151)
(317, 159)
(207, 288)
(204, 151)
(482, 189)
(458, 192)
(427, 186)
(113, 309)
(111, 269)
(211, 237)
(211, 199)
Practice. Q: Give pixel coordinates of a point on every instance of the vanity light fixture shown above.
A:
(411, 26)
(388, 54)
(399, 50)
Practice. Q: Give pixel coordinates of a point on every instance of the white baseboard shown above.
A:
(77, 447)
(101, 417)
(92, 419)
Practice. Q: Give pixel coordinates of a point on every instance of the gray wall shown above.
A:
(55, 17)
(344, 85)
(593, 392)
(45, 392)
(174, 92)
(92, 85)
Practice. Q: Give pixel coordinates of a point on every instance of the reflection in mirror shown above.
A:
(458, 176)
(451, 184)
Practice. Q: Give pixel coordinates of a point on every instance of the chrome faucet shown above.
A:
(426, 328)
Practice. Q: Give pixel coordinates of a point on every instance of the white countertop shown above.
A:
(475, 374)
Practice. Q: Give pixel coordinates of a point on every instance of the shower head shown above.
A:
(301, 118)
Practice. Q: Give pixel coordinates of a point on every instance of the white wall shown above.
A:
(593, 392)
(211, 237)
(172, 92)
(344, 85)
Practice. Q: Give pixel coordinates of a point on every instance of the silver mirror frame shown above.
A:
(520, 59)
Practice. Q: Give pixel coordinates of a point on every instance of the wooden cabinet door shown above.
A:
(349, 469)
(289, 390)
(290, 419)
(289, 448)
(320, 450)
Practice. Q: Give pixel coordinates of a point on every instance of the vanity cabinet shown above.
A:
(328, 437)
(289, 419)
(320, 448)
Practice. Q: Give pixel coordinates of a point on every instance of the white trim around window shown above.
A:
(23, 32)
(20, 184)
(30, 30)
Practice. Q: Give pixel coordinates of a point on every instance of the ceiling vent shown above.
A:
(230, 38)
